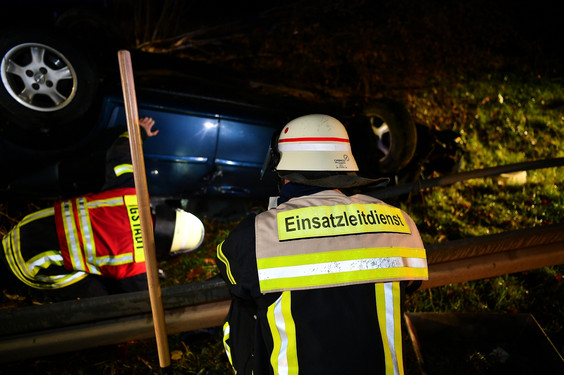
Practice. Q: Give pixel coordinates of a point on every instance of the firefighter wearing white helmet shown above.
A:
(315, 143)
(317, 280)
(315, 150)
(176, 231)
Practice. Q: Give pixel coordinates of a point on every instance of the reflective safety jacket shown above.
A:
(100, 234)
(317, 286)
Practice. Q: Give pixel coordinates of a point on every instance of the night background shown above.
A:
(355, 50)
(448, 62)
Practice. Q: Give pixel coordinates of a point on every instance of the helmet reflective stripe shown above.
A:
(315, 143)
(286, 146)
(315, 139)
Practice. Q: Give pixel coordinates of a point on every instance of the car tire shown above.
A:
(389, 135)
(46, 83)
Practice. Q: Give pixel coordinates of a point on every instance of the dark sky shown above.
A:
(333, 41)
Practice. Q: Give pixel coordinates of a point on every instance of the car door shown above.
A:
(178, 161)
(241, 151)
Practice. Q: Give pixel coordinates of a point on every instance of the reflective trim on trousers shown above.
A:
(284, 357)
(389, 320)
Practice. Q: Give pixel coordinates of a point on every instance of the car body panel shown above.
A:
(196, 152)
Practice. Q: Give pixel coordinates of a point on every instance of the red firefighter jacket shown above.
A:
(101, 234)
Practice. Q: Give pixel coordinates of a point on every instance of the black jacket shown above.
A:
(336, 329)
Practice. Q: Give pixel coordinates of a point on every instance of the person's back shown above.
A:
(317, 280)
(91, 245)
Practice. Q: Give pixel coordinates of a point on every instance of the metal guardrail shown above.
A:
(393, 191)
(75, 312)
(75, 325)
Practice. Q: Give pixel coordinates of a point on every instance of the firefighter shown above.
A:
(91, 245)
(317, 280)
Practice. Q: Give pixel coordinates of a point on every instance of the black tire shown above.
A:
(389, 135)
(54, 89)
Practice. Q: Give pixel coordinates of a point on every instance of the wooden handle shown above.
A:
(135, 143)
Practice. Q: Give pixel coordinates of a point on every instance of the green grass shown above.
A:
(463, 85)
(501, 120)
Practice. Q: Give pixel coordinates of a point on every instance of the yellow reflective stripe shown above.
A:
(275, 336)
(123, 169)
(338, 220)
(341, 255)
(87, 248)
(43, 261)
(226, 335)
(333, 279)
(26, 272)
(12, 244)
(60, 281)
(135, 223)
(340, 267)
(116, 260)
(224, 260)
(36, 216)
(389, 320)
(71, 236)
(284, 357)
(109, 202)
(12, 253)
(292, 349)
(87, 236)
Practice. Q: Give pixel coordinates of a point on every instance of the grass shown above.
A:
(501, 120)
(501, 117)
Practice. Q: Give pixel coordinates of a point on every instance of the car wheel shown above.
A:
(391, 136)
(46, 82)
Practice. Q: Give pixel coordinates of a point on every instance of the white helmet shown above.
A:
(315, 150)
(177, 231)
(315, 143)
(189, 232)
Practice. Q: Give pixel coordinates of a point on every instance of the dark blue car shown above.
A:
(61, 107)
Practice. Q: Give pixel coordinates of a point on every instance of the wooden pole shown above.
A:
(35, 331)
(135, 142)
